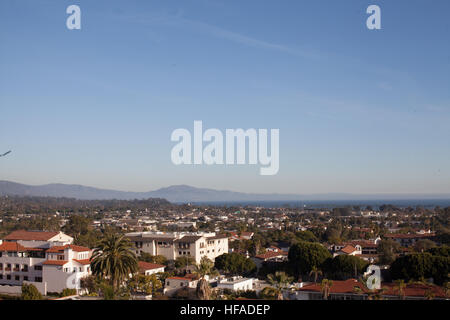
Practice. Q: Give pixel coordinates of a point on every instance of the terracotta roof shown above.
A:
(57, 249)
(414, 290)
(30, 235)
(12, 247)
(347, 286)
(143, 266)
(271, 254)
(348, 249)
(55, 262)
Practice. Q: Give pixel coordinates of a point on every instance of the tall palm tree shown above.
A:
(326, 288)
(203, 269)
(316, 272)
(400, 288)
(114, 260)
(279, 280)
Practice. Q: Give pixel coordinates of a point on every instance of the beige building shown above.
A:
(173, 245)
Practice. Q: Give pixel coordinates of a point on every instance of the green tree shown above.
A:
(343, 267)
(30, 292)
(424, 245)
(147, 284)
(114, 260)
(147, 257)
(387, 250)
(184, 261)
(235, 264)
(305, 255)
(270, 293)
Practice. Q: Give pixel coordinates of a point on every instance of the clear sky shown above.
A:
(358, 110)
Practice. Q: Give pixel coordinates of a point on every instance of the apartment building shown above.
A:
(47, 260)
(173, 245)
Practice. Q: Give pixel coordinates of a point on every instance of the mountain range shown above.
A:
(185, 194)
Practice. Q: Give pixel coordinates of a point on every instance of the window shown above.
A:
(38, 279)
(1, 276)
(60, 257)
(37, 267)
(25, 268)
(25, 278)
(1, 266)
(17, 267)
(8, 277)
(17, 278)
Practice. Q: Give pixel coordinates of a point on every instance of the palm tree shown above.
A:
(326, 288)
(279, 280)
(400, 288)
(114, 260)
(205, 268)
(316, 272)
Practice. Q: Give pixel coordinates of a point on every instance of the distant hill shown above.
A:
(184, 193)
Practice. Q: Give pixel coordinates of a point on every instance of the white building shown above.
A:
(236, 284)
(173, 284)
(147, 268)
(47, 260)
(173, 245)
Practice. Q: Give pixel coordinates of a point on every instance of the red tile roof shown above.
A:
(143, 266)
(347, 286)
(12, 247)
(30, 235)
(55, 262)
(348, 249)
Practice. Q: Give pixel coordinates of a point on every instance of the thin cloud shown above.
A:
(178, 20)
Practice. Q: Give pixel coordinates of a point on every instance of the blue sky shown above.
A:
(359, 111)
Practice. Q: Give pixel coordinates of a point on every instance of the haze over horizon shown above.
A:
(359, 111)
